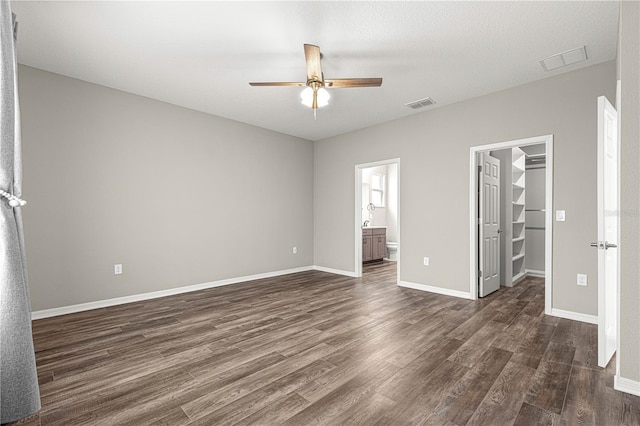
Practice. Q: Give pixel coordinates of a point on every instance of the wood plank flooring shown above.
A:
(317, 348)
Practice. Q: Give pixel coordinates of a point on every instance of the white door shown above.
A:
(489, 212)
(608, 220)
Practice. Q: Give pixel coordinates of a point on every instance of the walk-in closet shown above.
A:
(522, 212)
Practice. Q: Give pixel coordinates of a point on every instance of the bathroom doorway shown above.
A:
(377, 215)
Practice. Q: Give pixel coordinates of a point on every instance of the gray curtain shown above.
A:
(19, 391)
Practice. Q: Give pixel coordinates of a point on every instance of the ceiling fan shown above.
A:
(315, 94)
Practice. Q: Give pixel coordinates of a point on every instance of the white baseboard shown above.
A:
(576, 316)
(535, 273)
(334, 271)
(63, 310)
(626, 385)
(438, 290)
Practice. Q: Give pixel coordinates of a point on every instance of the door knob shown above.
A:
(499, 231)
(603, 245)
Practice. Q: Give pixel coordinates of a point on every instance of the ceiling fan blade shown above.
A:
(312, 56)
(278, 84)
(353, 82)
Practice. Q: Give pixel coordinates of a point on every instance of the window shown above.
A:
(377, 190)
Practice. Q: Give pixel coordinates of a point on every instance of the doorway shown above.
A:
(377, 214)
(516, 157)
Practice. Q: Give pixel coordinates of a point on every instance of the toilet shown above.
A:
(392, 251)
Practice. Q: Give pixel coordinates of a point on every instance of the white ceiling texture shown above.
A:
(202, 55)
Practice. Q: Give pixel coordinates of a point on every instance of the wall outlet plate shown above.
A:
(582, 280)
(560, 216)
(295, 250)
(117, 269)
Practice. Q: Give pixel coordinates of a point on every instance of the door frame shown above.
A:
(473, 212)
(618, 107)
(358, 213)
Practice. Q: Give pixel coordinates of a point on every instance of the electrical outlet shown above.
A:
(117, 269)
(582, 279)
(295, 250)
(425, 261)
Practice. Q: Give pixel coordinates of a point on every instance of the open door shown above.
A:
(489, 224)
(608, 223)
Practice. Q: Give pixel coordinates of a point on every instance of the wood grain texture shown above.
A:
(317, 348)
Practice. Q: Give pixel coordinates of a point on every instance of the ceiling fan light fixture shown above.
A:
(307, 97)
(323, 97)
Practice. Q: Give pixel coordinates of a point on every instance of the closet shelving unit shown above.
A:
(517, 214)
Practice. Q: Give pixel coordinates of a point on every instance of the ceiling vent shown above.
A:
(420, 103)
(563, 59)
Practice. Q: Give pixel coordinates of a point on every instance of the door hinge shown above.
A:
(479, 169)
(480, 274)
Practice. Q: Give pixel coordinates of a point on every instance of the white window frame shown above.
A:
(380, 190)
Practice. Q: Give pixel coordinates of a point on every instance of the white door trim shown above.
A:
(473, 213)
(358, 214)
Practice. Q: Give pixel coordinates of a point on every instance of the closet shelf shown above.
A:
(518, 184)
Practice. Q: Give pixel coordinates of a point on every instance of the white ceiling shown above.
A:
(202, 55)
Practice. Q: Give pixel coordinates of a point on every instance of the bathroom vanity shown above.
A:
(374, 243)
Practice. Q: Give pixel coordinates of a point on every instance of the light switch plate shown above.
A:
(426, 261)
(560, 215)
(582, 280)
(117, 269)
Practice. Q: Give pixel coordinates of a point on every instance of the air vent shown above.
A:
(420, 103)
(563, 59)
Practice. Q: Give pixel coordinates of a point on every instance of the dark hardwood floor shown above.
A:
(317, 348)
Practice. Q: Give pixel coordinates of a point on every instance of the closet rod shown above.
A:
(535, 210)
(535, 228)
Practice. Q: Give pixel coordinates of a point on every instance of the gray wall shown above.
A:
(434, 197)
(629, 72)
(177, 196)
